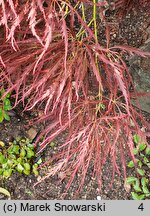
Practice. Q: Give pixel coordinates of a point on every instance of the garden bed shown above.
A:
(131, 31)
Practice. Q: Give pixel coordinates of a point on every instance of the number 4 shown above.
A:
(141, 207)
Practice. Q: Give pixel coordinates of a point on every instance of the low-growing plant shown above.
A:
(18, 156)
(5, 105)
(141, 164)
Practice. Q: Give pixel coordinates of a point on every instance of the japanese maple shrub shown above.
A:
(50, 54)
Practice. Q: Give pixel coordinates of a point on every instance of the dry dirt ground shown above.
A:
(131, 31)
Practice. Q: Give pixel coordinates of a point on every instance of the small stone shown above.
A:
(31, 133)
(127, 187)
(2, 144)
(98, 198)
(114, 35)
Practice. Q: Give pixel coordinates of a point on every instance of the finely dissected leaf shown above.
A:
(135, 196)
(119, 77)
(4, 191)
(49, 66)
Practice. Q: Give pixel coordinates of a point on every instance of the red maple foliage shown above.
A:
(82, 87)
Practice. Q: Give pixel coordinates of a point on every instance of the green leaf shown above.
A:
(2, 92)
(15, 149)
(7, 173)
(27, 166)
(131, 179)
(7, 104)
(1, 115)
(26, 172)
(18, 139)
(2, 159)
(19, 168)
(141, 172)
(30, 153)
(145, 190)
(10, 162)
(147, 151)
(136, 138)
(1, 171)
(4, 191)
(131, 164)
(35, 166)
(142, 146)
(136, 186)
(35, 172)
(8, 95)
(146, 160)
(19, 160)
(135, 151)
(31, 146)
(6, 116)
(148, 164)
(144, 181)
(22, 153)
(52, 144)
(39, 161)
(140, 164)
(135, 196)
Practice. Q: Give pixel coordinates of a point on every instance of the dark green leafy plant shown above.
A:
(18, 156)
(5, 106)
(140, 185)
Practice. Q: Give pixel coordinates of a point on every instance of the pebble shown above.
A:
(99, 198)
(32, 133)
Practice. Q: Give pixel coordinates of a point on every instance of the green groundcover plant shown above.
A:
(52, 60)
(18, 156)
(5, 106)
(141, 164)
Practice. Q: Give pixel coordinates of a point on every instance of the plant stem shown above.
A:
(95, 19)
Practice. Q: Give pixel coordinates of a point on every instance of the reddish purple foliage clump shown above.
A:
(82, 87)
